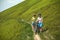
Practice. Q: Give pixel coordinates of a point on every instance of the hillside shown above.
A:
(12, 28)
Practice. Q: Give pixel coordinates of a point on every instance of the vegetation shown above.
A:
(13, 28)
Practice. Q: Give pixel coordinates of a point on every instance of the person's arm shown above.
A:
(37, 20)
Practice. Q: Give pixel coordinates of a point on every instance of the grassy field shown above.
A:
(12, 28)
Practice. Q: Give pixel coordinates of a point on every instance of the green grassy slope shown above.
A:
(12, 28)
(20, 8)
(51, 20)
(15, 29)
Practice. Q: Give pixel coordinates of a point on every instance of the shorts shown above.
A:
(33, 24)
(39, 24)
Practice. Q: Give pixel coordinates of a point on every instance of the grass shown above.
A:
(12, 28)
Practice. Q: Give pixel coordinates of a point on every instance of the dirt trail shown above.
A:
(37, 37)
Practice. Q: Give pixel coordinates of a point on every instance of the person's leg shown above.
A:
(40, 29)
(32, 28)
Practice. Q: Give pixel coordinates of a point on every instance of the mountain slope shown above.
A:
(12, 28)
